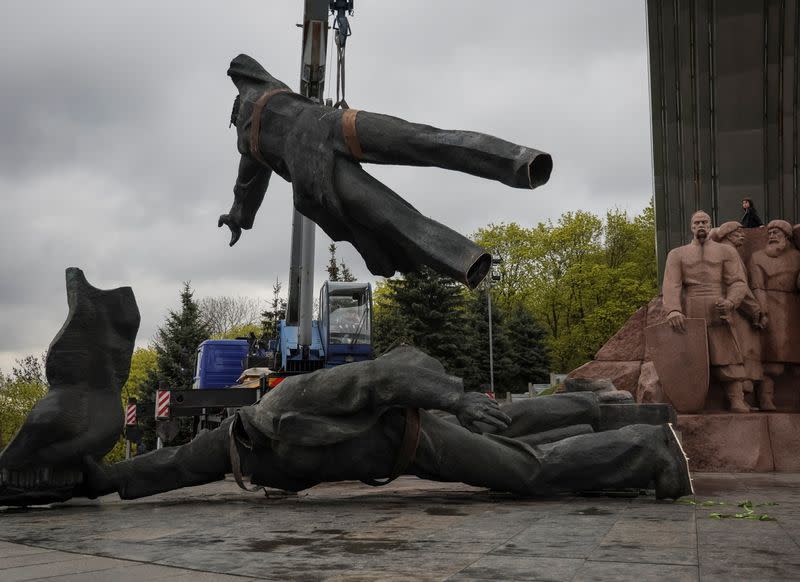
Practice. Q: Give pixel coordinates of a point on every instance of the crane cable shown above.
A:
(341, 28)
(340, 75)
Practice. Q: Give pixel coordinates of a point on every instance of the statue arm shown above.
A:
(673, 283)
(417, 380)
(758, 284)
(735, 279)
(248, 194)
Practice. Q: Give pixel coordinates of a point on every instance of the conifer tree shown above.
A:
(337, 271)
(428, 311)
(505, 367)
(175, 343)
(333, 266)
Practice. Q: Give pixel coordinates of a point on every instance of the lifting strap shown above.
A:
(350, 133)
(255, 123)
(407, 451)
(236, 462)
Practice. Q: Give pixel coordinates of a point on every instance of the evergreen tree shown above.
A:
(276, 311)
(337, 271)
(529, 349)
(505, 368)
(428, 311)
(333, 266)
(175, 344)
(345, 275)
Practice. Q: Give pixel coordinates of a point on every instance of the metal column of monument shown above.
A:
(299, 310)
(724, 81)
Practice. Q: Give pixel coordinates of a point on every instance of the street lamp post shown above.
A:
(492, 277)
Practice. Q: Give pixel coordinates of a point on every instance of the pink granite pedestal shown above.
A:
(755, 442)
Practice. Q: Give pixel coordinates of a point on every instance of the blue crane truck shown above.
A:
(341, 335)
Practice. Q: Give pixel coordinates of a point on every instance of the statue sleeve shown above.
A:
(673, 283)
(735, 278)
(758, 283)
(249, 190)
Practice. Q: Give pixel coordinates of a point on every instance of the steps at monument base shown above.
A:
(741, 443)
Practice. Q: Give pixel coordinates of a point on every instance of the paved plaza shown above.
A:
(410, 530)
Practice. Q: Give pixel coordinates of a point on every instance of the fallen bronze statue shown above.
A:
(367, 421)
(320, 151)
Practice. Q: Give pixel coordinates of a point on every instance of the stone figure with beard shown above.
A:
(774, 279)
(706, 280)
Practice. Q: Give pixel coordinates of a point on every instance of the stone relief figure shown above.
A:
(747, 318)
(705, 279)
(363, 421)
(320, 151)
(774, 275)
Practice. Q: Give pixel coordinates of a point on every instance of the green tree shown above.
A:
(275, 311)
(504, 366)
(529, 353)
(337, 271)
(333, 266)
(580, 277)
(19, 391)
(431, 312)
(175, 344)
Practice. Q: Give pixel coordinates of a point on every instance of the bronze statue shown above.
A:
(320, 151)
(366, 421)
(774, 275)
(706, 280)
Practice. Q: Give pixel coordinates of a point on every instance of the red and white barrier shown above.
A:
(130, 415)
(162, 404)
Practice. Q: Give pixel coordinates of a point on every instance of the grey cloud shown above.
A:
(115, 154)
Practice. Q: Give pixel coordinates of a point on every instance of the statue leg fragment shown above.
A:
(735, 393)
(389, 140)
(631, 457)
(765, 394)
(203, 460)
(401, 232)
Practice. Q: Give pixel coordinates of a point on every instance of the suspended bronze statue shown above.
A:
(320, 151)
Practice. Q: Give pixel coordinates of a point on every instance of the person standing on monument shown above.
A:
(705, 279)
(747, 319)
(774, 279)
(750, 218)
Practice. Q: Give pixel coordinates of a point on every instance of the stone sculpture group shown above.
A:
(749, 308)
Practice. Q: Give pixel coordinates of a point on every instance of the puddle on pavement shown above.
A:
(444, 511)
(592, 511)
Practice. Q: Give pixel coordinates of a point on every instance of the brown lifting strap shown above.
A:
(408, 449)
(255, 123)
(350, 134)
(233, 451)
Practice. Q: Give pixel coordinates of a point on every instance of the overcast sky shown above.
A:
(116, 157)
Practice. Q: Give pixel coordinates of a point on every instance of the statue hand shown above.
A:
(762, 321)
(236, 230)
(724, 306)
(475, 407)
(677, 321)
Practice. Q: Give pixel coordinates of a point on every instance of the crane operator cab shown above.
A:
(346, 322)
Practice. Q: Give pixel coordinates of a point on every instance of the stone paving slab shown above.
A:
(410, 530)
